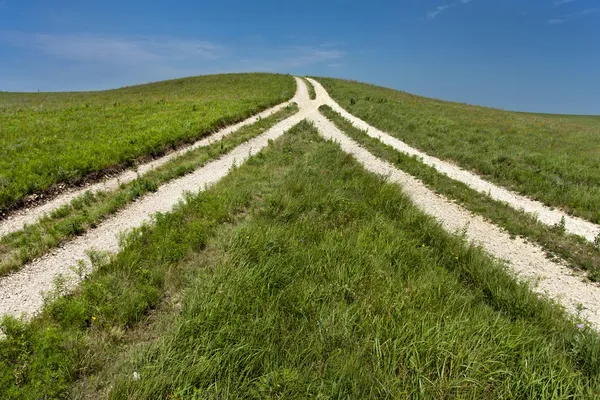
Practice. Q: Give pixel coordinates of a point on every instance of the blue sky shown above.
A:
(531, 55)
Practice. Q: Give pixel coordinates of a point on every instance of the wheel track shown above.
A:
(528, 261)
(545, 214)
(27, 216)
(21, 293)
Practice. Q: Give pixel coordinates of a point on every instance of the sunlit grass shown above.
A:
(90, 209)
(553, 159)
(52, 138)
(575, 250)
(300, 275)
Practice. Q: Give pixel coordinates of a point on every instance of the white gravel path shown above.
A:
(21, 293)
(544, 213)
(18, 219)
(527, 260)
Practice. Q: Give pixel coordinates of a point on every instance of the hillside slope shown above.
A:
(282, 258)
(553, 159)
(300, 275)
(52, 138)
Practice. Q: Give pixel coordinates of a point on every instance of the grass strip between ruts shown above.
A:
(311, 89)
(552, 159)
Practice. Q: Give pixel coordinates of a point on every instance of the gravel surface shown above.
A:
(21, 293)
(544, 213)
(18, 219)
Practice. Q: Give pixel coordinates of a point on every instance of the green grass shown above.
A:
(552, 159)
(592, 120)
(311, 89)
(52, 138)
(575, 250)
(300, 275)
(89, 210)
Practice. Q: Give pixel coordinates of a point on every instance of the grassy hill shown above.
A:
(300, 274)
(52, 138)
(554, 159)
(87, 211)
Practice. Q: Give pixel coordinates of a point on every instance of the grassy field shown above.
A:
(576, 251)
(52, 138)
(87, 211)
(554, 159)
(300, 275)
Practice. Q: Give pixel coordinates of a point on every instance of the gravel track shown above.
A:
(528, 261)
(18, 219)
(21, 293)
(545, 214)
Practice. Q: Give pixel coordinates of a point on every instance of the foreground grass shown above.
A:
(52, 138)
(576, 251)
(90, 209)
(299, 276)
(552, 159)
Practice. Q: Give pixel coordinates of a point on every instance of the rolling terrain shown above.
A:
(305, 254)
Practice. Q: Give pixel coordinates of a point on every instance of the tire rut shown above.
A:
(544, 214)
(21, 293)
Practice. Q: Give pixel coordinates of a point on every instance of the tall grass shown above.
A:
(300, 275)
(553, 159)
(52, 138)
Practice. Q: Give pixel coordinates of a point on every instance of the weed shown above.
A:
(562, 225)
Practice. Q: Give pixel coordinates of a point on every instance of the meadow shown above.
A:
(299, 275)
(89, 210)
(552, 158)
(576, 251)
(49, 139)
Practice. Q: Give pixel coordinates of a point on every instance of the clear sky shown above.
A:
(530, 55)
